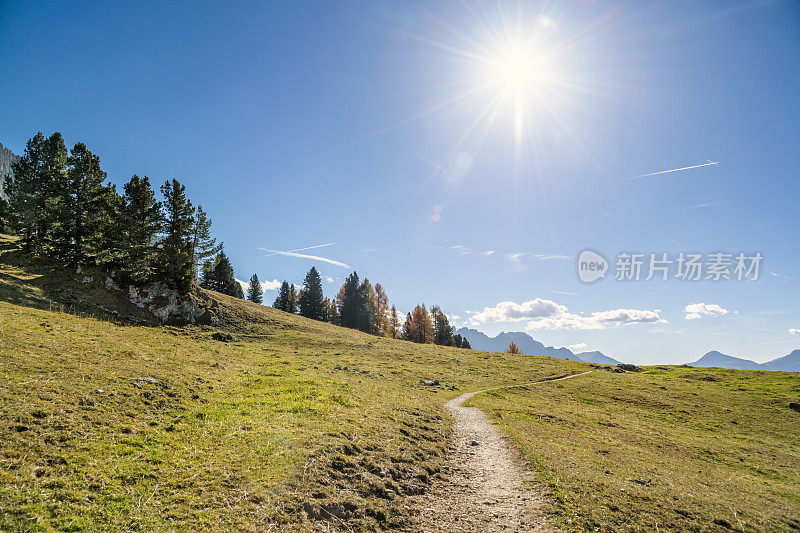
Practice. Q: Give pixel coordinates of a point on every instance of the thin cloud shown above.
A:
(693, 207)
(312, 257)
(710, 163)
(517, 256)
(293, 253)
(463, 249)
(299, 249)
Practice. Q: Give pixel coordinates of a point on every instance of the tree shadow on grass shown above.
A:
(31, 281)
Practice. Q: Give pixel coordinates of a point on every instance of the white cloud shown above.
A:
(626, 316)
(273, 285)
(580, 347)
(700, 310)
(511, 312)
(546, 314)
(596, 320)
(794, 331)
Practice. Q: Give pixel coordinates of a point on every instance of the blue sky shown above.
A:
(395, 131)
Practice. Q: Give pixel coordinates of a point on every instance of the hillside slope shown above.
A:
(296, 424)
(117, 427)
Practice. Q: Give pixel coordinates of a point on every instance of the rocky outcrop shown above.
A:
(169, 306)
(160, 301)
(7, 158)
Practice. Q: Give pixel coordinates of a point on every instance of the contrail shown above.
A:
(690, 207)
(293, 253)
(298, 250)
(673, 170)
(312, 257)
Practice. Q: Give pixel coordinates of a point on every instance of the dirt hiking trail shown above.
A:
(486, 485)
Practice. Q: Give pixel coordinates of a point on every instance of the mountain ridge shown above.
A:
(529, 346)
(786, 363)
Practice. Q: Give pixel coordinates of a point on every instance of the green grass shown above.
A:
(108, 426)
(671, 447)
(118, 427)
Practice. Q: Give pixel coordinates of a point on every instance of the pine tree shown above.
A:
(311, 300)
(140, 219)
(282, 300)
(37, 191)
(442, 331)
(55, 199)
(381, 311)
(254, 290)
(81, 199)
(221, 278)
(205, 272)
(350, 305)
(111, 234)
(394, 324)
(457, 340)
(408, 328)
(237, 291)
(291, 303)
(367, 320)
(177, 247)
(203, 245)
(513, 348)
(24, 191)
(465, 344)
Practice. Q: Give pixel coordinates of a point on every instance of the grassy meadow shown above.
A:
(669, 448)
(297, 424)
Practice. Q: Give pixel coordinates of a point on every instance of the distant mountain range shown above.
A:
(787, 363)
(7, 158)
(529, 346)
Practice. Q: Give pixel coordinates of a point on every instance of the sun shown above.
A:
(513, 70)
(516, 74)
